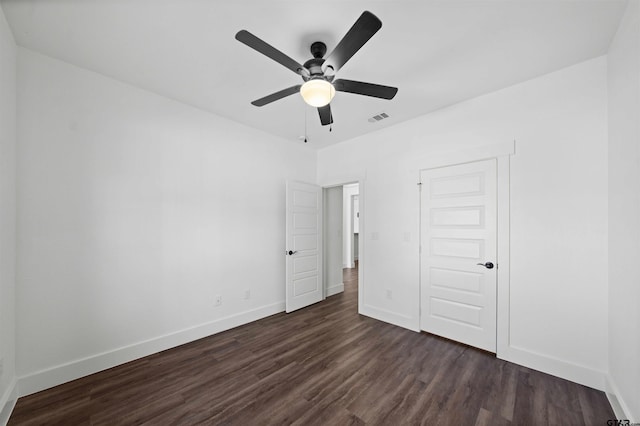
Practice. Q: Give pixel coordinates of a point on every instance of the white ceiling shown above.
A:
(436, 52)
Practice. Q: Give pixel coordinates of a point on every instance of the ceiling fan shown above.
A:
(318, 73)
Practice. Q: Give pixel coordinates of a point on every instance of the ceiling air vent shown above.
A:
(378, 117)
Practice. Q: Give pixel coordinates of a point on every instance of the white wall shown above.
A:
(332, 258)
(558, 300)
(135, 211)
(7, 217)
(624, 213)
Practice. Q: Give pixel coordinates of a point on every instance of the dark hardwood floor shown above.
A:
(323, 365)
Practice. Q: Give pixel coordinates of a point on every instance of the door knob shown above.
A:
(292, 252)
(487, 265)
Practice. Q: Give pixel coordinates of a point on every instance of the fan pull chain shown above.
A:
(305, 123)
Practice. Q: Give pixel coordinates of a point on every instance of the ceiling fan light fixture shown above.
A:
(317, 92)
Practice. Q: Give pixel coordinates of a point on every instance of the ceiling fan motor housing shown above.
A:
(315, 68)
(314, 65)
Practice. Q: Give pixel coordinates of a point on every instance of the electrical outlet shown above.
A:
(247, 294)
(389, 294)
(218, 300)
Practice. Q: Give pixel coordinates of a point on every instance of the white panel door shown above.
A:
(457, 263)
(304, 245)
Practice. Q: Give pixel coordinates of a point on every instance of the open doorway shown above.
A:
(350, 224)
(351, 237)
(341, 238)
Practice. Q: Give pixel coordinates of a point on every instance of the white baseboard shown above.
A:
(390, 317)
(554, 366)
(8, 402)
(335, 289)
(57, 375)
(620, 407)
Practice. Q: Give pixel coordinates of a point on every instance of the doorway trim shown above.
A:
(502, 153)
(358, 178)
(352, 219)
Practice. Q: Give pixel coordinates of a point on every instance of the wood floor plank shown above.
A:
(322, 365)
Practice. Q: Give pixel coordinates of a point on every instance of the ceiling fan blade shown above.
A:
(367, 89)
(363, 29)
(277, 95)
(325, 114)
(266, 49)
